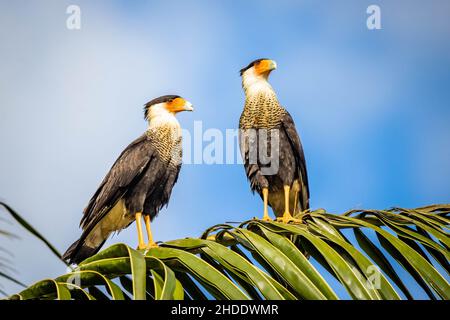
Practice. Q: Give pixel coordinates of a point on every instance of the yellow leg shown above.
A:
(265, 198)
(141, 244)
(151, 243)
(287, 189)
(295, 203)
(287, 217)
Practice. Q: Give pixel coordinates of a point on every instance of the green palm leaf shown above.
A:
(271, 260)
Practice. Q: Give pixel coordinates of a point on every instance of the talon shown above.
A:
(301, 217)
(266, 218)
(150, 242)
(288, 218)
(151, 245)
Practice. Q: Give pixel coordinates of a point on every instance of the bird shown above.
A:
(265, 126)
(138, 184)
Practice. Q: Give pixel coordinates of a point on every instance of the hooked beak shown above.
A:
(264, 67)
(188, 106)
(272, 65)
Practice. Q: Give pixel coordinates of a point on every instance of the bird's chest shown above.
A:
(261, 112)
(168, 145)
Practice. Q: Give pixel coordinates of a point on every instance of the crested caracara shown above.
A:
(138, 184)
(281, 180)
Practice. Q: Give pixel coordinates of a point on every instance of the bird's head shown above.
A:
(259, 68)
(166, 106)
(257, 72)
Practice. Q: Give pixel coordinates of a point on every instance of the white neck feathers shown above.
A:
(255, 84)
(159, 116)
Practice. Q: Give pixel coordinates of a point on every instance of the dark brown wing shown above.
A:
(124, 173)
(160, 197)
(291, 132)
(248, 140)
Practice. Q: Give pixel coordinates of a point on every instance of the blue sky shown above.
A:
(372, 107)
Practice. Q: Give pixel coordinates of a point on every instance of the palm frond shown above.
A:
(19, 219)
(275, 261)
(5, 263)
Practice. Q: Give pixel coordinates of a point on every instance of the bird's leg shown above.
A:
(287, 217)
(299, 216)
(295, 202)
(141, 244)
(286, 214)
(265, 192)
(151, 243)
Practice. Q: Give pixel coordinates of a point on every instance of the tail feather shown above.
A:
(79, 251)
(96, 233)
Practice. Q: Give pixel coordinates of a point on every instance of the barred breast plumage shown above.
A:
(261, 111)
(167, 143)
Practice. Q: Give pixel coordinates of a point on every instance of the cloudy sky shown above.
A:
(372, 106)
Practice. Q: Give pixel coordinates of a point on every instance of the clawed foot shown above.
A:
(151, 245)
(147, 247)
(288, 218)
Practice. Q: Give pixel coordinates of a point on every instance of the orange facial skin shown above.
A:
(264, 66)
(176, 105)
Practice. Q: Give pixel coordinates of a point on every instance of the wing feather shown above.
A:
(124, 173)
(291, 132)
(248, 141)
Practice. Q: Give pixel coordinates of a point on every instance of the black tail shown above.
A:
(79, 251)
